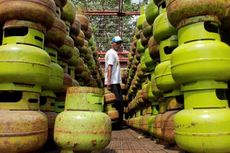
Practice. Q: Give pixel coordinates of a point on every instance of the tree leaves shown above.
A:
(105, 27)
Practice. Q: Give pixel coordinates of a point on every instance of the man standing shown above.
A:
(113, 75)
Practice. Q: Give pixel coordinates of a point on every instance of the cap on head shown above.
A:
(117, 39)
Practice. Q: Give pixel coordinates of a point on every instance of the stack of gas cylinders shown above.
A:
(177, 86)
(50, 79)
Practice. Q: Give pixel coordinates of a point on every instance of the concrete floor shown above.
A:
(130, 141)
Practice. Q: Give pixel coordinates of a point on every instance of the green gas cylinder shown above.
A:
(151, 121)
(82, 131)
(203, 130)
(85, 98)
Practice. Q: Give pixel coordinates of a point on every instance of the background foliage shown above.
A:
(105, 27)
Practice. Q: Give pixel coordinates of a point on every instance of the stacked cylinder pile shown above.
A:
(54, 39)
(82, 126)
(40, 59)
(166, 36)
(25, 69)
(110, 110)
(143, 95)
(148, 105)
(200, 64)
(189, 72)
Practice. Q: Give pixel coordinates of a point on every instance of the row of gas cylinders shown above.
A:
(110, 109)
(160, 126)
(156, 119)
(25, 68)
(30, 75)
(82, 126)
(192, 62)
(23, 33)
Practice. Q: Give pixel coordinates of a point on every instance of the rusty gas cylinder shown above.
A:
(23, 127)
(47, 105)
(111, 112)
(66, 51)
(131, 122)
(79, 68)
(178, 10)
(57, 33)
(74, 59)
(79, 39)
(168, 127)
(144, 122)
(75, 28)
(158, 126)
(109, 97)
(88, 33)
(31, 33)
(153, 48)
(22, 131)
(83, 20)
(39, 11)
(67, 82)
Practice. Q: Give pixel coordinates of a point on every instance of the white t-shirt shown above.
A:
(111, 58)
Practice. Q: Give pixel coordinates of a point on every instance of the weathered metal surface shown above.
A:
(153, 48)
(51, 120)
(144, 122)
(203, 130)
(158, 126)
(24, 23)
(22, 131)
(109, 97)
(75, 28)
(82, 130)
(57, 33)
(85, 98)
(67, 82)
(66, 51)
(168, 127)
(178, 10)
(111, 112)
(83, 20)
(41, 11)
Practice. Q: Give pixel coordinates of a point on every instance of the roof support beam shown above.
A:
(110, 13)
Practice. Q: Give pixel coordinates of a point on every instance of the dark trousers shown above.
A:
(116, 89)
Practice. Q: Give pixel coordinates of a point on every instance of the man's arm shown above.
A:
(109, 73)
